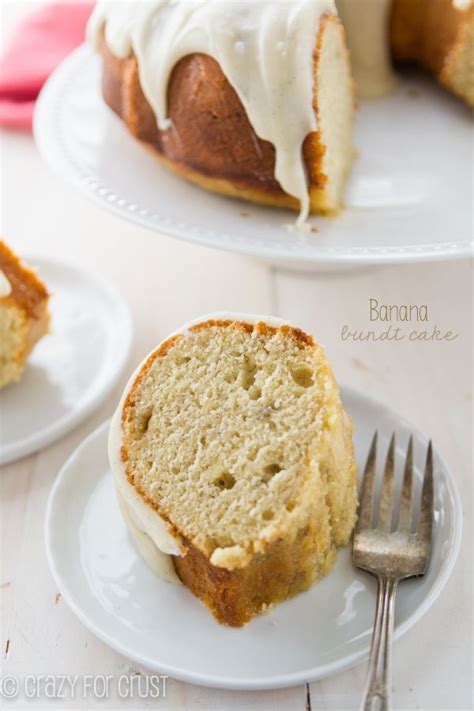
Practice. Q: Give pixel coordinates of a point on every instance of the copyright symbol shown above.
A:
(8, 687)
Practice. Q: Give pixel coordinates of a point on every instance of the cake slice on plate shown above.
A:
(234, 464)
(24, 315)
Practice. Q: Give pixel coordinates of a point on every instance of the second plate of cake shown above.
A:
(198, 487)
(73, 368)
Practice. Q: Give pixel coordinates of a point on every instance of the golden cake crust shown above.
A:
(212, 142)
(282, 571)
(24, 315)
(28, 291)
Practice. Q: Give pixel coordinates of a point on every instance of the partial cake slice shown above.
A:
(24, 315)
(231, 450)
(439, 35)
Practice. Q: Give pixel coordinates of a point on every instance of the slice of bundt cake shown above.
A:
(250, 99)
(24, 315)
(232, 452)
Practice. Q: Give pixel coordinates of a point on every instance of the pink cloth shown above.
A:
(40, 42)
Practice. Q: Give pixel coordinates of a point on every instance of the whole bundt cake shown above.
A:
(255, 99)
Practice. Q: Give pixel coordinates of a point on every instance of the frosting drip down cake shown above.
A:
(234, 464)
(251, 99)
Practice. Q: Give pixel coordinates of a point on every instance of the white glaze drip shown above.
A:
(148, 530)
(265, 50)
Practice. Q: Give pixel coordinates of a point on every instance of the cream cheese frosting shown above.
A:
(148, 529)
(366, 24)
(5, 286)
(265, 50)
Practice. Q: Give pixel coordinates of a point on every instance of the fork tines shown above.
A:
(386, 506)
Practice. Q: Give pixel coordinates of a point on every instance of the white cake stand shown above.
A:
(408, 198)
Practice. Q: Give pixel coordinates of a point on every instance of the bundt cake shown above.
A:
(24, 315)
(255, 99)
(233, 462)
(249, 99)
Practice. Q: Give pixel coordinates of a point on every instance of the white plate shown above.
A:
(70, 371)
(165, 628)
(408, 197)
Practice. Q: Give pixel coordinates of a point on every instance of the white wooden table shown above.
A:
(171, 282)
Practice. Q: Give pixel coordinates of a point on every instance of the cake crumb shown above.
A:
(360, 364)
(244, 213)
(314, 229)
(57, 598)
(132, 671)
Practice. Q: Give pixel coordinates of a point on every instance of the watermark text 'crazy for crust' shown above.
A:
(70, 686)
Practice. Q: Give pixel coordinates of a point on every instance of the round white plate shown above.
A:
(71, 370)
(408, 197)
(165, 628)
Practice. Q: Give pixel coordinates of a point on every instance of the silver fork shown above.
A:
(390, 555)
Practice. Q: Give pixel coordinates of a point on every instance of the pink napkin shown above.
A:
(40, 42)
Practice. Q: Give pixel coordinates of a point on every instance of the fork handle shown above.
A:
(379, 678)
